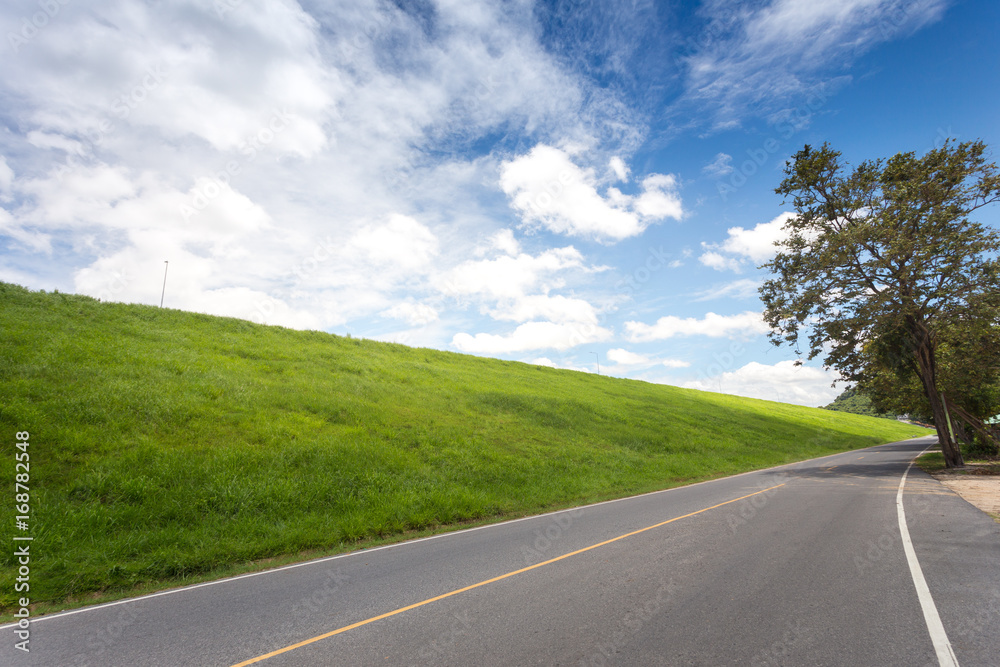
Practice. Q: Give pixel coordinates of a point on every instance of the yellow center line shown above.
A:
(352, 626)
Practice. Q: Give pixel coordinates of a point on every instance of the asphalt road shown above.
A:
(808, 570)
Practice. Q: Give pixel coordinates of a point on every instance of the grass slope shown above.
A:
(168, 446)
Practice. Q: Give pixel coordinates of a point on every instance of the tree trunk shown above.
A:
(928, 377)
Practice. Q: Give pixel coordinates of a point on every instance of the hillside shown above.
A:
(167, 446)
(856, 403)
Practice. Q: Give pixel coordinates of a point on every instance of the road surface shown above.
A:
(799, 565)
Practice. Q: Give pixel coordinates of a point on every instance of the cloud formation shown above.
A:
(743, 246)
(722, 165)
(744, 324)
(416, 171)
(532, 336)
(549, 190)
(782, 381)
(755, 58)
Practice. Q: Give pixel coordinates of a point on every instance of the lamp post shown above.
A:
(166, 265)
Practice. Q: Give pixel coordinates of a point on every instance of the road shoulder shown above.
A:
(977, 482)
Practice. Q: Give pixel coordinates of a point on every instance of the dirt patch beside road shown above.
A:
(979, 483)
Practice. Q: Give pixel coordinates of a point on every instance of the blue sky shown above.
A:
(564, 183)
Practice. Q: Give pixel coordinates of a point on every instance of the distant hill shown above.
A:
(168, 447)
(856, 403)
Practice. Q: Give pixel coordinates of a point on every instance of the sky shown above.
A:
(581, 184)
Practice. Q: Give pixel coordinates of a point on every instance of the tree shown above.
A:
(880, 263)
(968, 363)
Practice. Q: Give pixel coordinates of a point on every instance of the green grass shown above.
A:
(931, 462)
(168, 447)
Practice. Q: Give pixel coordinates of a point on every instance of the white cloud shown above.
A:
(544, 307)
(755, 58)
(109, 67)
(618, 168)
(84, 196)
(226, 212)
(300, 124)
(744, 288)
(756, 245)
(626, 358)
(545, 361)
(720, 166)
(353, 155)
(629, 360)
(32, 240)
(659, 198)
(546, 188)
(716, 326)
(784, 382)
(6, 176)
(415, 314)
(57, 141)
(517, 288)
(716, 261)
(505, 242)
(135, 274)
(511, 277)
(532, 336)
(402, 242)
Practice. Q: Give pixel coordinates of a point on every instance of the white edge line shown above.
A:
(942, 646)
(365, 552)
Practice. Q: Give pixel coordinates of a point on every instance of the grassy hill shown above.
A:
(168, 446)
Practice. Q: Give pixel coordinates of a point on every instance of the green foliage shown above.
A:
(968, 372)
(979, 447)
(167, 445)
(882, 263)
(853, 401)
